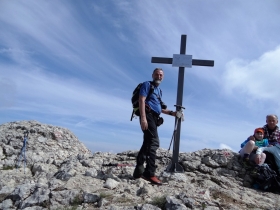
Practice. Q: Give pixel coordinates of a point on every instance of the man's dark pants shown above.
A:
(149, 147)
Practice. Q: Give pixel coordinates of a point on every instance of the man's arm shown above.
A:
(166, 111)
(144, 123)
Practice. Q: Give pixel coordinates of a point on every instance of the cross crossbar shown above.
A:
(195, 62)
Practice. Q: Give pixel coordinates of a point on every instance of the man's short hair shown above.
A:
(156, 69)
(272, 115)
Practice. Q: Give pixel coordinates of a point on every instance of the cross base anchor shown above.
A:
(174, 167)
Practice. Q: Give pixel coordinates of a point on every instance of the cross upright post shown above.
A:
(180, 60)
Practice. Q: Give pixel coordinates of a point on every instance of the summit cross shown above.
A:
(180, 60)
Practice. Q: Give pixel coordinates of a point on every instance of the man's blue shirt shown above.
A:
(154, 100)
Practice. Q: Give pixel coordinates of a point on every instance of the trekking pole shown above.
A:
(22, 151)
(132, 115)
(176, 124)
(118, 165)
(179, 115)
(173, 136)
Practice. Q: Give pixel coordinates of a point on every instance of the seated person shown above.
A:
(250, 146)
(271, 130)
(275, 151)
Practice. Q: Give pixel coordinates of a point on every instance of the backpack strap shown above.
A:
(152, 86)
(151, 91)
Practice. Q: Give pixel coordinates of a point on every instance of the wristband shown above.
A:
(170, 113)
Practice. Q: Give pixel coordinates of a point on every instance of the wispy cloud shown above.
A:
(7, 93)
(44, 93)
(206, 24)
(58, 37)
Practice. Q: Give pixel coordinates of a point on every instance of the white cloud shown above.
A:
(224, 146)
(257, 79)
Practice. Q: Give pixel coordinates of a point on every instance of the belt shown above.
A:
(149, 110)
(154, 113)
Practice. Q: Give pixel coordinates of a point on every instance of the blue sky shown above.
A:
(75, 64)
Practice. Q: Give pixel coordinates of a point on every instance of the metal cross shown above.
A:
(180, 60)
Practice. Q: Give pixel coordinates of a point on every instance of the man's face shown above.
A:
(158, 75)
(271, 122)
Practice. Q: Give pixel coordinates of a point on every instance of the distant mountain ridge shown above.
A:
(62, 173)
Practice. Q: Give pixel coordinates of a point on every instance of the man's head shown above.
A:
(271, 121)
(157, 76)
(259, 133)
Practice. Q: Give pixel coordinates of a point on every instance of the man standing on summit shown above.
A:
(150, 107)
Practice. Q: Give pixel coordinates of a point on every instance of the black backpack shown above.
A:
(135, 98)
(267, 179)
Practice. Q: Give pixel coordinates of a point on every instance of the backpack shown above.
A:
(267, 179)
(135, 98)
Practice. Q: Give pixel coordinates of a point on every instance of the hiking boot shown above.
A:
(155, 180)
(152, 179)
(138, 171)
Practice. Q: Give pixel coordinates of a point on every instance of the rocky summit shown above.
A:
(61, 173)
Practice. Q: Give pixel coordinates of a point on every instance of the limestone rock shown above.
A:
(111, 183)
(61, 173)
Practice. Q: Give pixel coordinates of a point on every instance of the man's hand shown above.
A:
(180, 114)
(144, 124)
(258, 159)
